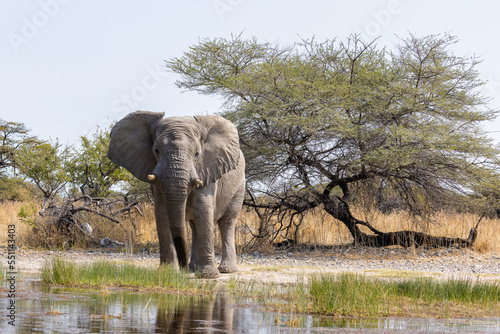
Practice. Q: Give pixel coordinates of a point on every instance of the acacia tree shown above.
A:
(43, 163)
(12, 136)
(91, 170)
(316, 119)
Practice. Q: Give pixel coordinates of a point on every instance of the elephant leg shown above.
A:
(228, 262)
(226, 313)
(167, 249)
(227, 227)
(203, 221)
(205, 230)
(193, 264)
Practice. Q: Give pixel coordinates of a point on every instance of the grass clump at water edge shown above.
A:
(356, 295)
(109, 273)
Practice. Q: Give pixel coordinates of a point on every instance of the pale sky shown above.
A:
(67, 66)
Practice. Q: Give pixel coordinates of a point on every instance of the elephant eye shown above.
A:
(156, 151)
(197, 155)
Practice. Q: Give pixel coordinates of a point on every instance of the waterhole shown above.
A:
(40, 308)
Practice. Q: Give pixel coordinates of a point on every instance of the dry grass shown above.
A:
(319, 228)
(135, 230)
(8, 216)
(139, 231)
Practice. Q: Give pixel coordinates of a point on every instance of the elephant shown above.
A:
(197, 175)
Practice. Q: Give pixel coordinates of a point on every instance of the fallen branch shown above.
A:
(128, 207)
(84, 208)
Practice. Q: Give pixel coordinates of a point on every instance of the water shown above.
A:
(44, 309)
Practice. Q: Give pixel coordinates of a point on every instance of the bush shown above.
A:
(15, 189)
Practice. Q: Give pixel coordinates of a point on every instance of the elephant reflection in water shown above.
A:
(195, 315)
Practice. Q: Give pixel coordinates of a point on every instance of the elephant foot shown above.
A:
(227, 268)
(209, 271)
(193, 267)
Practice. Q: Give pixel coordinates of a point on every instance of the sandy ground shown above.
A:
(287, 267)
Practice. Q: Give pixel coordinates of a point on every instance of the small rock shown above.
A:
(107, 242)
(87, 228)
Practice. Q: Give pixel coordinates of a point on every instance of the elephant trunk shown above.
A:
(176, 212)
(175, 176)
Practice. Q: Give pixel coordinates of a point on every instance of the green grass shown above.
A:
(462, 291)
(108, 273)
(348, 295)
(352, 295)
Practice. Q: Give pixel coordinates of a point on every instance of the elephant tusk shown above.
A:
(198, 183)
(151, 177)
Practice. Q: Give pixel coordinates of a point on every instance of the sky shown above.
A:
(69, 66)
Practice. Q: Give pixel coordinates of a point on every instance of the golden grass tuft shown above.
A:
(9, 215)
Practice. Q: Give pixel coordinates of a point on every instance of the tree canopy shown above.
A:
(43, 163)
(90, 169)
(318, 118)
(12, 135)
(53, 167)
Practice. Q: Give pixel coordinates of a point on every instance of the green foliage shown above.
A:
(43, 162)
(16, 189)
(51, 167)
(12, 135)
(333, 114)
(28, 213)
(90, 169)
(135, 187)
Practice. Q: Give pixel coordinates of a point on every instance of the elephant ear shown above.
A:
(220, 148)
(131, 143)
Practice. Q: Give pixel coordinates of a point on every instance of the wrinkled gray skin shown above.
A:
(197, 173)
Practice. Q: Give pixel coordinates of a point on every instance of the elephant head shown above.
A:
(177, 155)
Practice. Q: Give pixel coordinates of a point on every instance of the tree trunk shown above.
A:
(339, 209)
